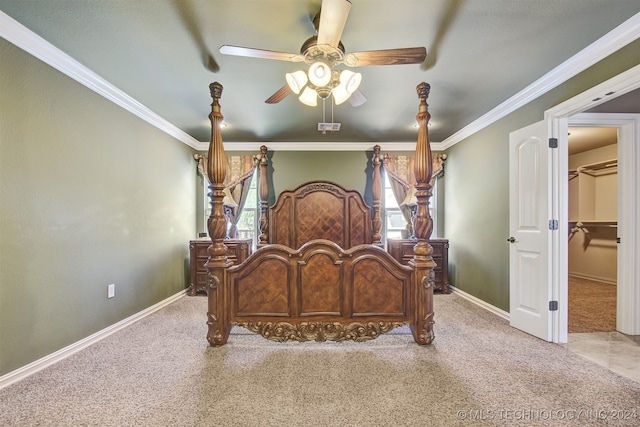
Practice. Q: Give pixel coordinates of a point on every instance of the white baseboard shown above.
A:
(480, 303)
(63, 353)
(591, 277)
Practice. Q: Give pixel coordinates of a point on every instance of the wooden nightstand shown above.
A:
(402, 251)
(237, 251)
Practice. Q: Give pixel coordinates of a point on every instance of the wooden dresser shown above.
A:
(402, 250)
(237, 251)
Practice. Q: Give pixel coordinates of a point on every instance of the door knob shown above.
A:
(511, 240)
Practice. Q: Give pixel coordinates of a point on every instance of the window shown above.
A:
(394, 222)
(250, 216)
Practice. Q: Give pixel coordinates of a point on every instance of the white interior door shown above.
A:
(530, 195)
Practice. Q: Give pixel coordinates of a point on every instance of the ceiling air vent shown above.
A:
(328, 127)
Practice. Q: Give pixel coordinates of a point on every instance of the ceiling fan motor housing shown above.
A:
(312, 51)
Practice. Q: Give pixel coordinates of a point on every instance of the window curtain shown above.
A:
(240, 170)
(400, 172)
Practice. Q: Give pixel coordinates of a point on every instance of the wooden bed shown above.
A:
(320, 271)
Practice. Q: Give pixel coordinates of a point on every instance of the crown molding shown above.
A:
(22, 37)
(624, 82)
(614, 40)
(30, 42)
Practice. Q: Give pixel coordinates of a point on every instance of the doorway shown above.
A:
(591, 108)
(607, 340)
(593, 218)
(627, 127)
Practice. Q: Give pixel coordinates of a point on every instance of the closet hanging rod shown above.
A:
(598, 166)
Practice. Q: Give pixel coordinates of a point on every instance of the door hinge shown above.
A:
(617, 240)
(553, 142)
(553, 305)
(553, 224)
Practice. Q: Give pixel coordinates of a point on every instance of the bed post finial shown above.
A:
(217, 316)
(263, 194)
(376, 222)
(215, 89)
(423, 224)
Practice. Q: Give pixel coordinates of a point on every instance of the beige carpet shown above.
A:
(592, 306)
(479, 371)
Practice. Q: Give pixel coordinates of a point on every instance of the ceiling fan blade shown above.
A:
(407, 55)
(333, 17)
(260, 53)
(357, 98)
(279, 95)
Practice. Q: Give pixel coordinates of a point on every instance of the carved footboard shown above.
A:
(320, 292)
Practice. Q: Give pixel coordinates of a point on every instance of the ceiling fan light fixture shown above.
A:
(320, 73)
(351, 80)
(349, 83)
(296, 81)
(309, 97)
(340, 95)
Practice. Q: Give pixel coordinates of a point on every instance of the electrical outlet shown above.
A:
(111, 290)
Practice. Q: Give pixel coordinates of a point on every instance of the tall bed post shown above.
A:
(423, 226)
(377, 194)
(263, 194)
(217, 316)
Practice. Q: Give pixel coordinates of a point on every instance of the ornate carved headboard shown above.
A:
(320, 210)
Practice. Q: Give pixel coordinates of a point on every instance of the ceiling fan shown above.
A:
(322, 53)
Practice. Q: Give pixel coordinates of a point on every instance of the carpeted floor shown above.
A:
(592, 306)
(479, 371)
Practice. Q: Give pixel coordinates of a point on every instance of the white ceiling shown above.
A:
(164, 54)
(588, 138)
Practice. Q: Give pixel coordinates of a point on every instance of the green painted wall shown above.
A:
(347, 168)
(90, 195)
(476, 182)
